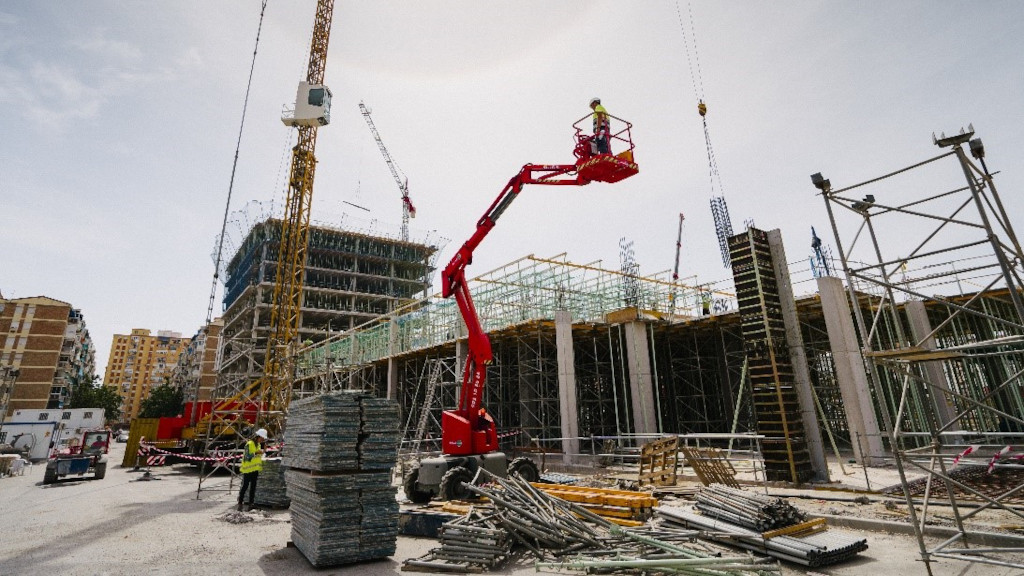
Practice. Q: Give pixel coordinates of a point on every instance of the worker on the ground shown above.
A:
(252, 463)
(601, 126)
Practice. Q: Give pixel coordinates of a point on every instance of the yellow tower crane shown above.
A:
(312, 109)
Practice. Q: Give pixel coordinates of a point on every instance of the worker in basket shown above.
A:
(600, 144)
(252, 464)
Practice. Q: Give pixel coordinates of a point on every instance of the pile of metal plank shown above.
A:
(565, 535)
(270, 488)
(814, 551)
(748, 509)
(339, 450)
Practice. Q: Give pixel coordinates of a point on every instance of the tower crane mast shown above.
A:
(408, 210)
(312, 110)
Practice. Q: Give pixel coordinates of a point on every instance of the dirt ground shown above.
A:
(123, 525)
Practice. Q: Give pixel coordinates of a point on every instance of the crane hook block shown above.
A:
(702, 109)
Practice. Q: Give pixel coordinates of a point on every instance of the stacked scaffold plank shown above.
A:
(339, 451)
(270, 488)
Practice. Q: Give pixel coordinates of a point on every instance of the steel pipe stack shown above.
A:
(756, 511)
(472, 543)
(813, 551)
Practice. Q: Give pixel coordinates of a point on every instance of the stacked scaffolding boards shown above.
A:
(776, 405)
(340, 451)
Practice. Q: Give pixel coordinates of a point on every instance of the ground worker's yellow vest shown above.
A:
(252, 460)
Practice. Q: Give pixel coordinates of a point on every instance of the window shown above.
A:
(87, 415)
(316, 96)
(65, 416)
(44, 416)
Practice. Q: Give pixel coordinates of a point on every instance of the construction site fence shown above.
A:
(612, 454)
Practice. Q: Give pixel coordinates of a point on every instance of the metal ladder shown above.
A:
(433, 380)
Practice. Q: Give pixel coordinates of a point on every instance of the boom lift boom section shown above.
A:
(469, 429)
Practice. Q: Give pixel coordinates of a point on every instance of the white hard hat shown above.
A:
(595, 100)
(262, 433)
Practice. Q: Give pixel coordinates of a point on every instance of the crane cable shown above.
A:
(698, 91)
(234, 167)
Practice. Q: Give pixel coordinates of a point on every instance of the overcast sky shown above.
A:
(119, 123)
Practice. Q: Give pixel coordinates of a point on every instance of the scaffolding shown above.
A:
(945, 363)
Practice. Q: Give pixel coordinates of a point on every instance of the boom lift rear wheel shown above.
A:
(525, 468)
(451, 483)
(412, 492)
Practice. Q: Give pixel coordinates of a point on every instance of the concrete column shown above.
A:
(850, 372)
(641, 385)
(920, 327)
(798, 358)
(392, 363)
(568, 412)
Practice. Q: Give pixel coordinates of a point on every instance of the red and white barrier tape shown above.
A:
(147, 448)
(969, 450)
(1002, 453)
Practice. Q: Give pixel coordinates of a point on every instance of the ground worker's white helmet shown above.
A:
(262, 433)
(595, 100)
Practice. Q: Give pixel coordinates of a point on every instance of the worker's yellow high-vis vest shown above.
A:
(252, 460)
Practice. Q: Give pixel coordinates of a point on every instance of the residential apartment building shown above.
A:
(139, 362)
(46, 343)
(196, 371)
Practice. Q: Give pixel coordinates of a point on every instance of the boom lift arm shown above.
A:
(469, 429)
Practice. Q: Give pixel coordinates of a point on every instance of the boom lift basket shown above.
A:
(612, 167)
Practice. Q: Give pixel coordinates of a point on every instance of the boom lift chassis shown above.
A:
(469, 437)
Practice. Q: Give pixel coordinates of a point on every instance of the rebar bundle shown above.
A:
(747, 509)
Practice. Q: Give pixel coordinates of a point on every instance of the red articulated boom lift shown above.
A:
(469, 437)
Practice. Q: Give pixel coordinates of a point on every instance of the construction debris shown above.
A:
(747, 509)
(343, 506)
(566, 535)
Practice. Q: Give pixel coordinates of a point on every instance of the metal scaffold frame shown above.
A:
(525, 289)
(946, 366)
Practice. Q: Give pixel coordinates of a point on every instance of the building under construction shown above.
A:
(581, 352)
(350, 277)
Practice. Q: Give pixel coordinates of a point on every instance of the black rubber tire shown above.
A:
(451, 484)
(50, 476)
(101, 470)
(524, 468)
(411, 485)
